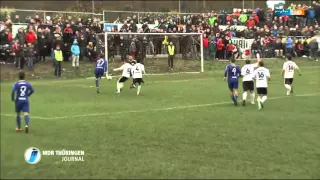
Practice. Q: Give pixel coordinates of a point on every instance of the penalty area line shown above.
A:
(152, 110)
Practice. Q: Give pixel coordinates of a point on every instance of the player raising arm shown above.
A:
(20, 94)
(232, 72)
(101, 68)
(126, 74)
(247, 79)
(288, 72)
(137, 72)
(262, 76)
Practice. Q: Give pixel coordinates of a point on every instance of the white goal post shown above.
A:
(107, 34)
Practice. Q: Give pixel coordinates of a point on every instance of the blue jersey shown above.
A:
(232, 72)
(101, 68)
(20, 94)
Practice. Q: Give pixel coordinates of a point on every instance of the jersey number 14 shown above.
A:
(290, 68)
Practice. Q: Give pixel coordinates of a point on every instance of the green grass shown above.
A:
(182, 126)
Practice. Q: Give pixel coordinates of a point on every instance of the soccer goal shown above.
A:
(152, 50)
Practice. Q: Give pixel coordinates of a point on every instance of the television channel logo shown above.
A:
(32, 155)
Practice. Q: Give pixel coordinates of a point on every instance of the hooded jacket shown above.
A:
(75, 50)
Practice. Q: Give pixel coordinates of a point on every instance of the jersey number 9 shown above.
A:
(234, 71)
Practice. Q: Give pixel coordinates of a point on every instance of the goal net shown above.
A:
(152, 50)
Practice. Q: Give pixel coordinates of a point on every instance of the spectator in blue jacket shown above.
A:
(289, 46)
(310, 17)
(75, 50)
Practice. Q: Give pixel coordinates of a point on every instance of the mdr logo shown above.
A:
(33, 155)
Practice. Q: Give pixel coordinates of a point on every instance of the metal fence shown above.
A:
(111, 16)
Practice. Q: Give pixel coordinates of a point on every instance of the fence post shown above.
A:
(138, 17)
(103, 17)
(44, 17)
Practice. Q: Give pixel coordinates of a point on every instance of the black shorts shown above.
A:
(262, 91)
(123, 79)
(248, 85)
(288, 81)
(137, 81)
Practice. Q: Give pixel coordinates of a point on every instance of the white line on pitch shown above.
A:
(152, 110)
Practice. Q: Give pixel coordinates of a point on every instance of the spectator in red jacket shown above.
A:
(15, 53)
(220, 51)
(251, 22)
(256, 17)
(229, 18)
(67, 29)
(230, 49)
(266, 41)
(285, 20)
(31, 37)
(205, 47)
(8, 35)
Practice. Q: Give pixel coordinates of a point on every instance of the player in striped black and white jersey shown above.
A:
(262, 76)
(288, 72)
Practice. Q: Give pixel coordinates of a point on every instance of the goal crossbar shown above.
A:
(164, 34)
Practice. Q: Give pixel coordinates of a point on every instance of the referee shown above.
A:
(170, 55)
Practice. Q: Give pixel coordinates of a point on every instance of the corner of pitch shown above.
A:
(71, 155)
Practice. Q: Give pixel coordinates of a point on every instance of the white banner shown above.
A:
(238, 28)
(243, 44)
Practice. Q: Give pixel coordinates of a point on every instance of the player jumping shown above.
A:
(233, 72)
(101, 68)
(288, 72)
(137, 72)
(23, 91)
(126, 74)
(262, 76)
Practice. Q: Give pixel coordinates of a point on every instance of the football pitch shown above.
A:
(182, 126)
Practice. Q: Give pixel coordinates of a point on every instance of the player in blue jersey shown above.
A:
(101, 68)
(233, 72)
(21, 92)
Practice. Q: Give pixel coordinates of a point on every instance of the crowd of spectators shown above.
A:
(41, 36)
